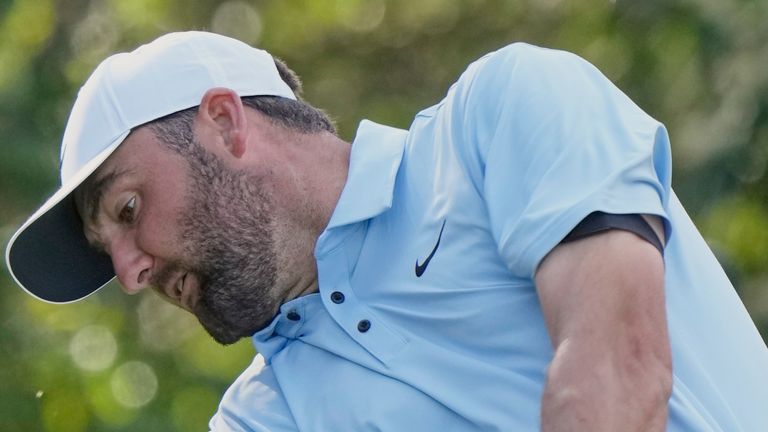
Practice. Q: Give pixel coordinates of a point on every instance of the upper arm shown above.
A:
(602, 297)
(607, 291)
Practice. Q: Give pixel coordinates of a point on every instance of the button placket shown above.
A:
(355, 317)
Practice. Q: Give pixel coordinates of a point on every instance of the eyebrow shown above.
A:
(96, 191)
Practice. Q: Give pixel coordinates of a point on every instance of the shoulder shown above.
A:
(517, 75)
(518, 62)
(254, 402)
(521, 75)
(522, 85)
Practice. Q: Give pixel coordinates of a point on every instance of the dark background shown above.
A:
(114, 362)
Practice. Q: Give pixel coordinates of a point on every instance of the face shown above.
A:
(196, 230)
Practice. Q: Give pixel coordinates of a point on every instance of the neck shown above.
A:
(321, 165)
(325, 170)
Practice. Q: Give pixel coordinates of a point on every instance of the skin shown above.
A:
(167, 226)
(603, 302)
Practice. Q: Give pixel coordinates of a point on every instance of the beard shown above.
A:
(226, 239)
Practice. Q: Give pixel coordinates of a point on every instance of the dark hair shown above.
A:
(175, 129)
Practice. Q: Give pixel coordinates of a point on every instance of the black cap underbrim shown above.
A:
(52, 260)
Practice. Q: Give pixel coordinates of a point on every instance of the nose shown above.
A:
(132, 265)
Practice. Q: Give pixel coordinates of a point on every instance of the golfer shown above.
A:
(514, 261)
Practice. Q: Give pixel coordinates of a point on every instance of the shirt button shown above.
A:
(363, 326)
(293, 315)
(337, 297)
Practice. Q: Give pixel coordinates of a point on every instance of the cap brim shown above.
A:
(49, 255)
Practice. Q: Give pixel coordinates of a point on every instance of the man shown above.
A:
(516, 260)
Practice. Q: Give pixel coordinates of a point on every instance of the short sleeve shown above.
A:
(254, 402)
(558, 141)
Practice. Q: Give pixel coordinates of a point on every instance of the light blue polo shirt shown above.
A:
(427, 318)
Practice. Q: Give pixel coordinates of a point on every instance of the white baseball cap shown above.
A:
(49, 256)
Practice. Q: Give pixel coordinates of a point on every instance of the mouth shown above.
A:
(187, 294)
(178, 288)
(180, 292)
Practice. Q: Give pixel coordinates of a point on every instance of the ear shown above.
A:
(221, 119)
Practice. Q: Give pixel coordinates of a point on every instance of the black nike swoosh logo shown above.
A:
(421, 268)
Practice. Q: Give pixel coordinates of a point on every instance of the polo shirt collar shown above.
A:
(375, 158)
(373, 164)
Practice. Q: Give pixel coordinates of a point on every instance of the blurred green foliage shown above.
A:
(114, 362)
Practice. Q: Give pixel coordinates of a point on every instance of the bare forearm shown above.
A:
(604, 394)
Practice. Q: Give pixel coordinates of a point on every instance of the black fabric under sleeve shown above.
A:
(598, 222)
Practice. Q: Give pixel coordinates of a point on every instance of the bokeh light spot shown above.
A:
(239, 20)
(103, 403)
(362, 16)
(93, 348)
(134, 384)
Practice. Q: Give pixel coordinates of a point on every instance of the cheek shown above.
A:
(158, 226)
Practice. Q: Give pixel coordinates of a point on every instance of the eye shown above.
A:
(128, 212)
